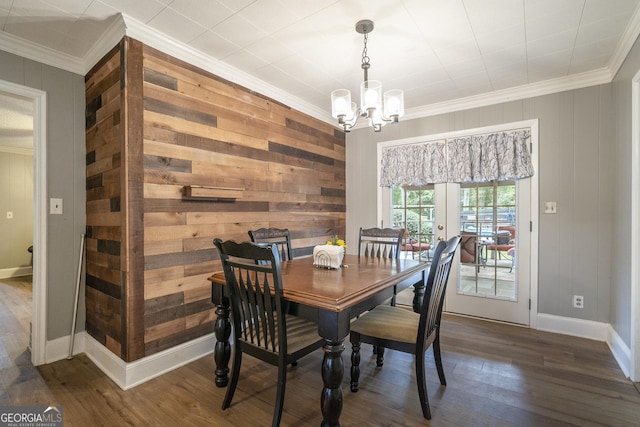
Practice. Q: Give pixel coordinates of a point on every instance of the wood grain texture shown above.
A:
(133, 187)
(497, 375)
(156, 125)
(105, 288)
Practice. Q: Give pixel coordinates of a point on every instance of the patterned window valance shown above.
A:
(478, 158)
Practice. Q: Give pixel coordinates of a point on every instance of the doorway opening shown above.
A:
(38, 101)
(16, 225)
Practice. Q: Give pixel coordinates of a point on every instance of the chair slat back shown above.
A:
(380, 242)
(436, 286)
(253, 275)
(278, 236)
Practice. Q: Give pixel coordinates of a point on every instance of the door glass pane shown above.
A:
(413, 209)
(488, 245)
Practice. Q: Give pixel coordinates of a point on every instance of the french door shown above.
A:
(491, 278)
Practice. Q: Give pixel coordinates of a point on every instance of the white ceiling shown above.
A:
(442, 53)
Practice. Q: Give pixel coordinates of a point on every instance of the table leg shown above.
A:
(332, 374)
(222, 350)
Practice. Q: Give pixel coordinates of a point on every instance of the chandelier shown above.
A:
(371, 106)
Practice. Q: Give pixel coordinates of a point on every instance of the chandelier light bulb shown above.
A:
(370, 97)
(341, 103)
(377, 121)
(394, 104)
(371, 94)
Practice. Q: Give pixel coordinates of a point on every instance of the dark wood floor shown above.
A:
(498, 375)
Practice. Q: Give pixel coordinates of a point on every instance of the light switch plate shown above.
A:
(55, 206)
(550, 207)
(9, 214)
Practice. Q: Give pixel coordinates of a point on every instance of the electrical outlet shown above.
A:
(578, 301)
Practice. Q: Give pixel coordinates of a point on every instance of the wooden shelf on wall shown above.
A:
(211, 194)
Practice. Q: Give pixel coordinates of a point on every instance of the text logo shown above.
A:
(31, 416)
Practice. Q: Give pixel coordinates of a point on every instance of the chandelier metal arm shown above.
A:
(347, 125)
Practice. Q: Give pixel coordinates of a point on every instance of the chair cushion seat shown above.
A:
(301, 333)
(416, 247)
(505, 247)
(398, 324)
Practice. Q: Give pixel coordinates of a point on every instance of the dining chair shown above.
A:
(415, 246)
(504, 241)
(380, 242)
(282, 239)
(280, 236)
(261, 327)
(403, 330)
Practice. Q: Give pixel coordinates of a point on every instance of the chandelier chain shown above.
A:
(365, 57)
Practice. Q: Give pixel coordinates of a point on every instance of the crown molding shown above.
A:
(576, 81)
(625, 44)
(110, 38)
(124, 25)
(546, 87)
(26, 49)
(163, 43)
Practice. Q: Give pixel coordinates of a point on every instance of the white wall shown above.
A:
(16, 196)
(621, 142)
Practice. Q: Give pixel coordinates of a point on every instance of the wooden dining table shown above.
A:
(334, 297)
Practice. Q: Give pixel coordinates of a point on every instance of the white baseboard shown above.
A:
(571, 326)
(621, 351)
(16, 272)
(58, 349)
(128, 375)
(592, 330)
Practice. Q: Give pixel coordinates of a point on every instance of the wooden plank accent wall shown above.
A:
(133, 189)
(194, 128)
(105, 277)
